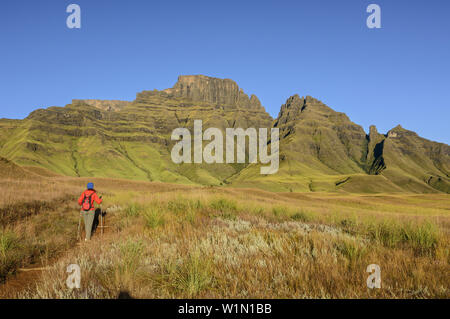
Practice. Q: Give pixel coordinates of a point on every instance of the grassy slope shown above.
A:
(411, 163)
(324, 151)
(321, 150)
(175, 241)
(80, 140)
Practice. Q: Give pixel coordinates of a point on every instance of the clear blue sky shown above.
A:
(399, 74)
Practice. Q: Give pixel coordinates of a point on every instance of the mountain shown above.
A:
(132, 139)
(320, 149)
(409, 161)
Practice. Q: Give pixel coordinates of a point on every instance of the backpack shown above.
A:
(86, 204)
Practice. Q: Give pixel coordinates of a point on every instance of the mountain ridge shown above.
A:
(319, 147)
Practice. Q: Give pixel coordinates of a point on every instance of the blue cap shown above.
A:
(90, 186)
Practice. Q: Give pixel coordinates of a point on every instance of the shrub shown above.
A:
(351, 249)
(223, 205)
(153, 217)
(10, 254)
(178, 205)
(423, 237)
(8, 241)
(226, 207)
(193, 275)
(131, 253)
(349, 226)
(280, 211)
(301, 216)
(182, 205)
(133, 210)
(130, 260)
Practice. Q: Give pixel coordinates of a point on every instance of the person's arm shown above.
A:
(80, 200)
(97, 199)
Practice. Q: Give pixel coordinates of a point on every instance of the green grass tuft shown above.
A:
(154, 217)
(193, 275)
(423, 237)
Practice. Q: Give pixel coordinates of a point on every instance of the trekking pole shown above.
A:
(101, 218)
(79, 227)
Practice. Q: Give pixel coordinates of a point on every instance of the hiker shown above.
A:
(86, 201)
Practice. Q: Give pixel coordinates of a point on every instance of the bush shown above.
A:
(301, 216)
(423, 238)
(133, 210)
(10, 254)
(193, 275)
(349, 226)
(280, 211)
(131, 254)
(178, 205)
(226, 207)
(182, 205)
(8, 241)
(153, 217)
(351, 250)
(223, 205)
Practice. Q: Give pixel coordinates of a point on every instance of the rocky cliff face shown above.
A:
(218, 102)
(222, 92)
(374, 160)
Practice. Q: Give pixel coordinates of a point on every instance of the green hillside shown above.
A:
(320, 149)
(129, 140)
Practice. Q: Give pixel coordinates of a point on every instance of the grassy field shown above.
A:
(176, 241)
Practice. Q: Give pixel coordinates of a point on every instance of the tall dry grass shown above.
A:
(172, 241)
(228, 243)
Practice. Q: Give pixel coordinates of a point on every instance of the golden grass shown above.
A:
(172, 241)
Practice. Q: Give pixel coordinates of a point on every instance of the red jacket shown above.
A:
(94, 197)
